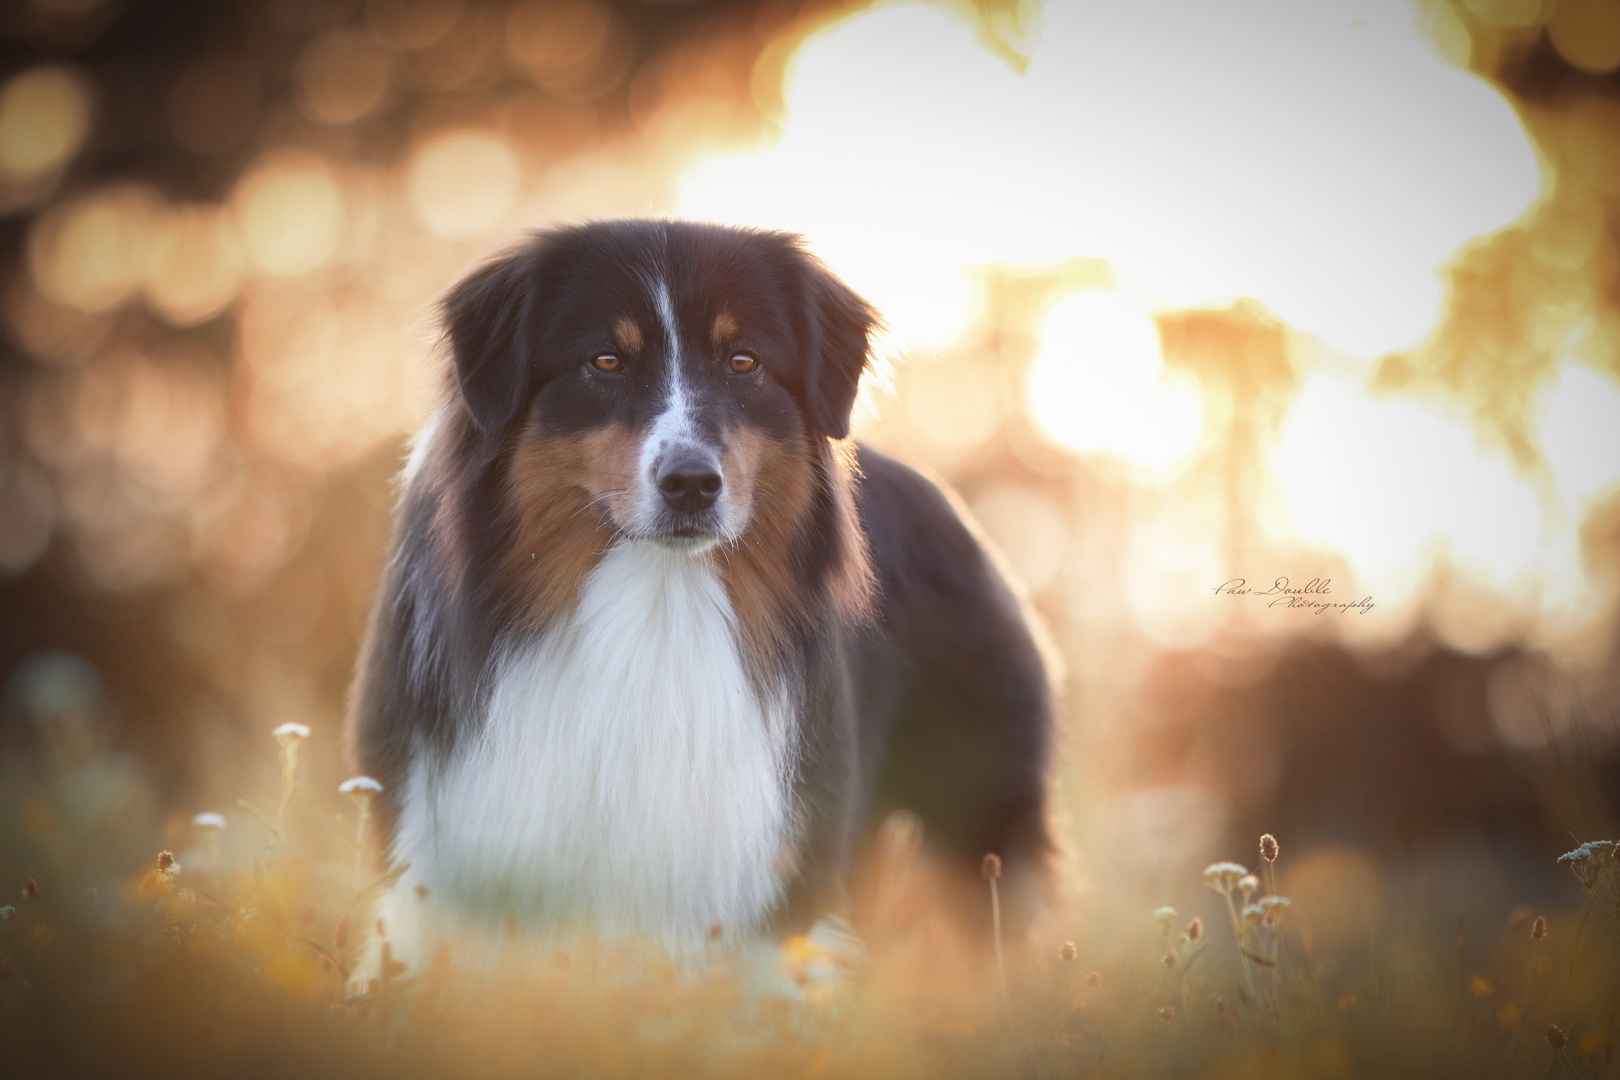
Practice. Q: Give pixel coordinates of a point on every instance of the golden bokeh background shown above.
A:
(1179, 293)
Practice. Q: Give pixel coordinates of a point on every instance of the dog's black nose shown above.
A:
(689, 484)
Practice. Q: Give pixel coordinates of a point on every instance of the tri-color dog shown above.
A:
(658, 642)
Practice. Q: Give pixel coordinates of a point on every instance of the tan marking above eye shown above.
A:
(607, 362)
(743, 362)
(627, 335)
(724, 329)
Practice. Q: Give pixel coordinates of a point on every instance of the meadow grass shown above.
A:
(236, 960)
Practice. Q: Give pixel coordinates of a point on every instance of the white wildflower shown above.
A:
(1580, 854)
(7, 912)
(1220, 876)
(1249, 884)
(1166, 915)
(290, 732)
(1252, 914)
(1267, 903)
(208, 821)
(361, 789)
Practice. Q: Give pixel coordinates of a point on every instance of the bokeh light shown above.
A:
(573, 48)
(1098, 385)
(44, 117)
(463, 182)
(291, 212)
(1335, 203)
(1587, 34)
(1580, 435)
(341, 76)
(91, 253)
(411, 24)
(1419, 490)
(195, 263)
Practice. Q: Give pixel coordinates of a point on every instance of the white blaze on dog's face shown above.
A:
(670, 376)
(681, 497)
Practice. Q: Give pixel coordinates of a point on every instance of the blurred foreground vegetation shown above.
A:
(230, 959)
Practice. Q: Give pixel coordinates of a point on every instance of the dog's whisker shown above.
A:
(602, 498)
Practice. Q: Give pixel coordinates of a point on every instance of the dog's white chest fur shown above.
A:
(627, 779)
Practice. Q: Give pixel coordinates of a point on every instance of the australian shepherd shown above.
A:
(658, 642)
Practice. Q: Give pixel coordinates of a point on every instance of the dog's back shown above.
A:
(954, 697)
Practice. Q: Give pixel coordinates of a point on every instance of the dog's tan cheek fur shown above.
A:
(554, 488)
(740, 461)
(612, 456)
(757, 567)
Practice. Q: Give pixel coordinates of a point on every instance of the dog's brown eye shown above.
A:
(742, 363)
(607, 362)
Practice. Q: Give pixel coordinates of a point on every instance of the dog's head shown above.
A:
(659, 366)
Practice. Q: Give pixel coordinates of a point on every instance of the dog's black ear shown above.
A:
(489, 317)
(843, 324)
